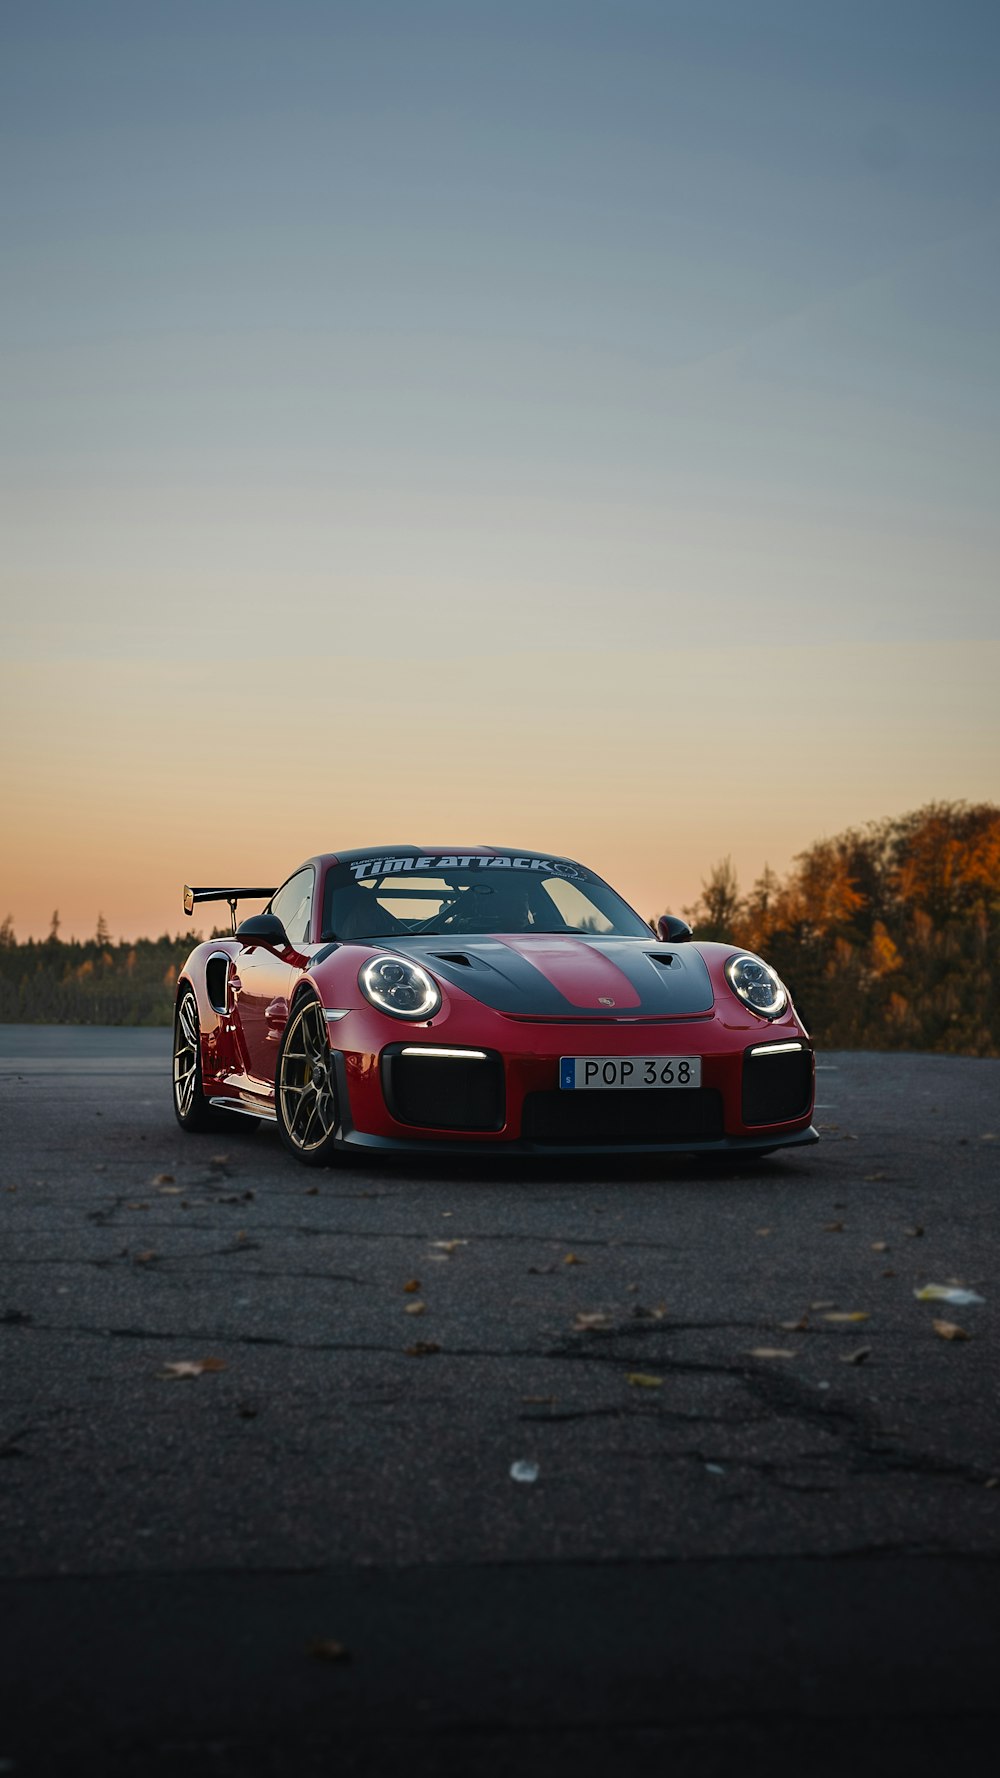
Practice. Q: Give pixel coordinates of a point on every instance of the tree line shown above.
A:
(887, 936)
(95, 981)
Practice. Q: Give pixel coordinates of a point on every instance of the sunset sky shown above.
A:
(542, 423)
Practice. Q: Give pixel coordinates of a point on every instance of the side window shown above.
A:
(293, 905)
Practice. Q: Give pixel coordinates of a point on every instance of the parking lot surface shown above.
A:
(261, 1429)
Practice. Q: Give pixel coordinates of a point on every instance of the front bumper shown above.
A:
(532, 1116)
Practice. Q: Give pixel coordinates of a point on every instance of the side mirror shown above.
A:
(262, 929)
(669, 930)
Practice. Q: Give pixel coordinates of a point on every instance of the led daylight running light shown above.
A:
(399, 987)
(438, 1050)
(755, 983)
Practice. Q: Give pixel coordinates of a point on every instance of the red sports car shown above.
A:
(417, 999)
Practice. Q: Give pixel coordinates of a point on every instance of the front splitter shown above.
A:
(725, 1145)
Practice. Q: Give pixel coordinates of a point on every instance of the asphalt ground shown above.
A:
(312, 1556)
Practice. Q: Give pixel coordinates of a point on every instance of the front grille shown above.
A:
(667, 1115)
(776, 1088)
(444, 1092)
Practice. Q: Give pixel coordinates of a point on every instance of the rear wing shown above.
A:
(232, 896)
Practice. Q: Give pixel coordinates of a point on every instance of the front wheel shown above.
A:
(305, 1087)
(191, 1108)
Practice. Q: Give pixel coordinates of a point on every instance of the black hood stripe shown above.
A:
(508, 981)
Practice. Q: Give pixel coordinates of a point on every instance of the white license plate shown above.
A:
(629, 1071)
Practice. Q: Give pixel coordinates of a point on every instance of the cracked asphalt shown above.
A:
(772, 1558)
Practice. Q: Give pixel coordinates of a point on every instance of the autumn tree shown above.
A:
(718, 912)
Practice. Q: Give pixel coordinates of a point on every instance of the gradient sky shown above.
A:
(567, 425)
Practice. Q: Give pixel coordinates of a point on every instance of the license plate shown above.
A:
(629, 1071)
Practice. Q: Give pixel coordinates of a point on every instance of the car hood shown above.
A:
(552, 976)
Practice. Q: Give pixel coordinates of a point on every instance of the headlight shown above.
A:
(400, 988)
(756, 985)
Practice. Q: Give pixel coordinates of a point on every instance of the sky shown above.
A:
(547, 423)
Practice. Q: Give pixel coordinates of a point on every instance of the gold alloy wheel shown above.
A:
(187, 1040)
(307, 1095)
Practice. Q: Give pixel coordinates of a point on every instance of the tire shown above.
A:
(191, 1108)
(305, 1087)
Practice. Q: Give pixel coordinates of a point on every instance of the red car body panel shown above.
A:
(245, 992)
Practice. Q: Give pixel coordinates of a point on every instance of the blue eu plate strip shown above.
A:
(567, 1072)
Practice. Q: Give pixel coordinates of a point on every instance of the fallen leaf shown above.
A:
(888, 1273)
(916, 1232)
(449, 1246)
(164, 1179)
(762, 1231)
(988, 1136)
(193, 1367)
(818, 1306)
(572, 1259)
(947, 1293)
(992, 1482)
(770, 1352)
(128, 1206)
(592, 1321)
(641, 1313)
(524, 1471)
(311, 1191)
(880, 1246)
(220, 1160)
(540, 1271)
(170, 1191)
(411, 1286)
(848, 1315)
(422, 1349)
(143, 1259)
(856, 1357)
(323, 1648)
(642, 1380)
(833, 1228)
(414, 1308)
(949, 1330)
(799, 1326)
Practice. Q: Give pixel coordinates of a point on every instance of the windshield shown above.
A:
(515, 893)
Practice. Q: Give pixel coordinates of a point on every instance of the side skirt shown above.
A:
(249, 1107)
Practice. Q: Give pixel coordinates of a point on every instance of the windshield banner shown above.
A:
(385, 867)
